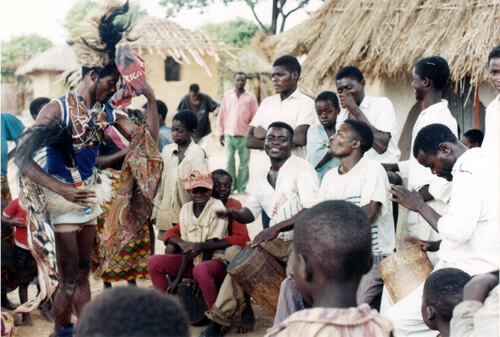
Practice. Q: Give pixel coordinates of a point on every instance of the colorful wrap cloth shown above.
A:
(131, 263)
(41, 241)
(8, 328)
(139, 179)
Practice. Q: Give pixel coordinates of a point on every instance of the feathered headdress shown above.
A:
(94, 39)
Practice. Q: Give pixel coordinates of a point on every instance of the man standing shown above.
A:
(289, 105)
(428, 80)
(237, 109)
(285, 191)
(201, 104)
(468, 227)
(377, 112)
(86, 112)
(491, 139)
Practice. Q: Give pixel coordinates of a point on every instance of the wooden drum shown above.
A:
(404, 271)
(260, 276)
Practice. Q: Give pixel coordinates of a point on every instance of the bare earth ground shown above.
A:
(217, 159)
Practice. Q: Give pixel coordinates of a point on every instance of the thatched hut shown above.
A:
(45, 68)
(385, 38)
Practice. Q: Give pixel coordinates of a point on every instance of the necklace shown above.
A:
(88, 121)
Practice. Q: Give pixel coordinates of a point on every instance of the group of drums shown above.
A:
(260, 276)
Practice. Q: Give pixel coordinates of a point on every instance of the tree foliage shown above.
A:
(278, 12)
(237, 33)
(18, 50)
(79, 10)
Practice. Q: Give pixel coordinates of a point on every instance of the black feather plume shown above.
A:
(56, 135)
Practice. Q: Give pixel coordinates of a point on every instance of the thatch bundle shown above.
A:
(387, 37)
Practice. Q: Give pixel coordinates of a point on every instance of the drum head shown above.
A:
(194, 305)
(241, 258)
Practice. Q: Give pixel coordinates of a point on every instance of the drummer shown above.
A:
(284, 192)
(469, 227)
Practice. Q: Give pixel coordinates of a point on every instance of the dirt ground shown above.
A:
(217, 158)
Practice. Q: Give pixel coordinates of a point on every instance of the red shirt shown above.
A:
(238, 233)
(14, 210)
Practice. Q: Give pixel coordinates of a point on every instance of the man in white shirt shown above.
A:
(377, 112)
(469, 226)
(429, 77)
(492, 120)
(288, 188)
(289, 105)
(363, 182)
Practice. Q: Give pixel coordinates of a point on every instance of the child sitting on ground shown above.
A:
(200, 230)
(327, 109)
(340, 230)
(178, 159)
(443, 290)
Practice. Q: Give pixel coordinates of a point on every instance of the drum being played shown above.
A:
(404, 271)
(259, 275)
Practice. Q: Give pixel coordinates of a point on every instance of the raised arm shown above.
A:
(252, 142)
(300, 135)
(126, 127)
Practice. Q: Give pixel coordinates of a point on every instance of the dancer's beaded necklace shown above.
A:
(89, 121)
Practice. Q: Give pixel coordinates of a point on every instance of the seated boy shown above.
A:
(327, 109)
(443, 290)
(332, 229)
(237, 237)
(199, 225)
(179, 158)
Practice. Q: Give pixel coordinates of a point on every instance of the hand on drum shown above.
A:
(265, 236)
(410, 200)
(427, 246)
(172, 287)
(191, 282)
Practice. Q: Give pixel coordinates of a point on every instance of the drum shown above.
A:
(259, 275)
(404, 271)
(191, 300)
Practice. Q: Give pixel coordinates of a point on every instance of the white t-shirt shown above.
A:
(297, 187)
(297, 109)
(419, 176)
(469, 227)
(367, 181)
(380, 112)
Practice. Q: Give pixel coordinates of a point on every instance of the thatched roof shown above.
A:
(387, 37)
(57, 58)
(165, 37)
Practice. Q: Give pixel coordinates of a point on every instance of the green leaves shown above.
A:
(237, 33)
(18, 50)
